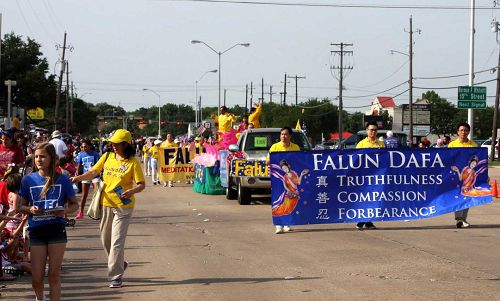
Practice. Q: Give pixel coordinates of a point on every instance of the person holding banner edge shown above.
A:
(370, 141)
(463, 130)
(285, 145)
(168, 143)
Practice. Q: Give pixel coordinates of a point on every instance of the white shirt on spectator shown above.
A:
(60, 147)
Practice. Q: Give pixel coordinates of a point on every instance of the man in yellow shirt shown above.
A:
(225, 120)
(285, 145)
(169, 143)
(463, 130)
(16, 122)
(370, 141)
(254, 116)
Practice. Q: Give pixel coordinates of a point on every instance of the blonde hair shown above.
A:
(51, 172)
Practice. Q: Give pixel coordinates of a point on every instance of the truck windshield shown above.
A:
(262, 141)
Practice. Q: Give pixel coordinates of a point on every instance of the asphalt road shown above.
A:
(187, 246)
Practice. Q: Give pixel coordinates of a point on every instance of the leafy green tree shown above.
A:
(22, 61)
(442, 114)
(354, 122)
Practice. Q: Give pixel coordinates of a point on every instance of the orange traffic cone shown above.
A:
(494, 189)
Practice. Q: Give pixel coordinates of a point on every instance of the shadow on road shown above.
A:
(402, 228)
(207, 281)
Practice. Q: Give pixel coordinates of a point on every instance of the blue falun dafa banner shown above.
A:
(360, 185)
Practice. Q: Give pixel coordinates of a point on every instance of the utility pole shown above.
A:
(470, 112)
(225, 97)
(262, 91)
(495, 114)
(410, 80)
(67, 98)
(251, 95)
(296, 77)
(246, 98)
(271, 94)
(72, 103)
(284, 91)
(59, 84)
(341, 69)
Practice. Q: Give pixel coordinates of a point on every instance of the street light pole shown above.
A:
(197, 106)
(219, 53)
(9, 83)
(159, 111)
(495, 27)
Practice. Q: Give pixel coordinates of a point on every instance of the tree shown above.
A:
(22, 61)
(442, 114)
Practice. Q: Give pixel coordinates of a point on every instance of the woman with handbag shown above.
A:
(120, 170)
(46, 196)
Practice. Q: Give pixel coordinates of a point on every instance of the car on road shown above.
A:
(402, 136)
(487, 144)
(247, 171)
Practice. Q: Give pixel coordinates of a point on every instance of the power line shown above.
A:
(375, 94)
(24, 18)
(386, 78)
(320, 5)
(454, 87)
(492, 69)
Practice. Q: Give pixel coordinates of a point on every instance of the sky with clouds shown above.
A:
(121, 47)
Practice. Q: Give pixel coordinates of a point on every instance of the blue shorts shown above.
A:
(48, 234)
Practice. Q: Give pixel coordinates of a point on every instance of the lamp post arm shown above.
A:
(395, 51)
(238, 44)
(209, 47)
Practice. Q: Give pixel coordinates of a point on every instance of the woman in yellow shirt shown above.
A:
(154, 153)
(120, 170)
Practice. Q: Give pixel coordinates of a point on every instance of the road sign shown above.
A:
(471, 97)
(470, 104)
(475, 93)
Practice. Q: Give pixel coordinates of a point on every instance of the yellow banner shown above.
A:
(174, 164)
(37, 113)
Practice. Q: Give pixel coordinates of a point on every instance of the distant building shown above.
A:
(381, 104)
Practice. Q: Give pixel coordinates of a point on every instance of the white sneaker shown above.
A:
(165, 184)
(287, 228)
(279, 229)
(465, 224)
(170, 184)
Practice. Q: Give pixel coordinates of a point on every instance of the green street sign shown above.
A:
(467, 104)
(475, 93)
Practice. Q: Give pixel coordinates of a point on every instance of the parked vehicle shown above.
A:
(487, 144)
(246, 163)
(402, 136)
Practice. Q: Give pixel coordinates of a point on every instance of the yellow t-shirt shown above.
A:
(118, 173)
(145, 151)
(457, 143)
(280, 147)
(167, 144)
(16, 123)
(365, 143)
(226, 122)
(255, 117)
(154, 152)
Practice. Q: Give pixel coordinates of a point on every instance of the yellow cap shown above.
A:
(120, 136)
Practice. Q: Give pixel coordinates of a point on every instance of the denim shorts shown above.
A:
(48, 234)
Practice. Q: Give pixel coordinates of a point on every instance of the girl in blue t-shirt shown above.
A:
(85, 160)
(47, 196)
